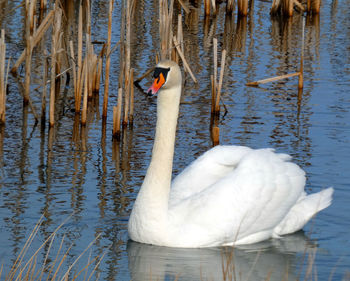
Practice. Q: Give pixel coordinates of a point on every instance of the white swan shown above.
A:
(230, 195)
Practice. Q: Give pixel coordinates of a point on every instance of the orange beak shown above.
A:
(157, 84)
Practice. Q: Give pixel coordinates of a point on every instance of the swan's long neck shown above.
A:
(150, 212)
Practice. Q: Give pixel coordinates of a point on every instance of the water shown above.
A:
(71, 170)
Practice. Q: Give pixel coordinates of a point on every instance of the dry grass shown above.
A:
(54, 266)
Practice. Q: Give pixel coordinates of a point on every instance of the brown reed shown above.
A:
(79, 84)
(29, 26)
(44, 91)
(131, 112)
(117, 110)
(301, 69)
(206, 7)
(108, 60)
(230, 6)
(242, 7)
(285, 7)
(313, 6)
(218, 92)
(86, 91)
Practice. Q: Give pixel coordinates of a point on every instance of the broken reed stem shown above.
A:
(276, 78)
(187, 67)
(2, 77)
(218, 93)
(117, 110)
(54, 49)
(108, 59)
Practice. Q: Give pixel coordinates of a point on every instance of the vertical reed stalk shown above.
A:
(54, 49)
(2, 77)
(301, 70)
(131, 112)
(218, 93)
(214, 78)
(77, 92)
(126, 99)
(242, 6)
(29, 7)
(108, 59)
(44, 93)
(207, 7)
(86, 89)
(117, 110)
(230, 6)
(215, 135)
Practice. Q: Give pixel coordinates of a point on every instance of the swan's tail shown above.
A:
(303, 211)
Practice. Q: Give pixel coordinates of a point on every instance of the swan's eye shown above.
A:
(160, 70)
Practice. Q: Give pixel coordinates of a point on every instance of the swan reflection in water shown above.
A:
(275, 259)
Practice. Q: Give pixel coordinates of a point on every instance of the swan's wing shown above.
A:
(246, 205)
(209, 168)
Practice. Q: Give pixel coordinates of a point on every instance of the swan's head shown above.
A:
(167, 75)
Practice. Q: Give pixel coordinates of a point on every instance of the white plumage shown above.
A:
(230, 195)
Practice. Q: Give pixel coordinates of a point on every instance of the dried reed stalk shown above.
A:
(126, 100)
(218, 92)
(86, 91)
(79, 84)
(313, 6)
(108, 59)
(29, 6)
(186, 65)
(117, 110)
(2, 77)
(242, 7)
(131, 112)
(44, 92)
(215, 135)
(54, 49)
(214, 76)
(230, 6)
(301, 69)
(206, 7)
(276, 78)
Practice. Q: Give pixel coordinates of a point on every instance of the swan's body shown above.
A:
(230, 195)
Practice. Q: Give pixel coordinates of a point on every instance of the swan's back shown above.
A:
(255, 193)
